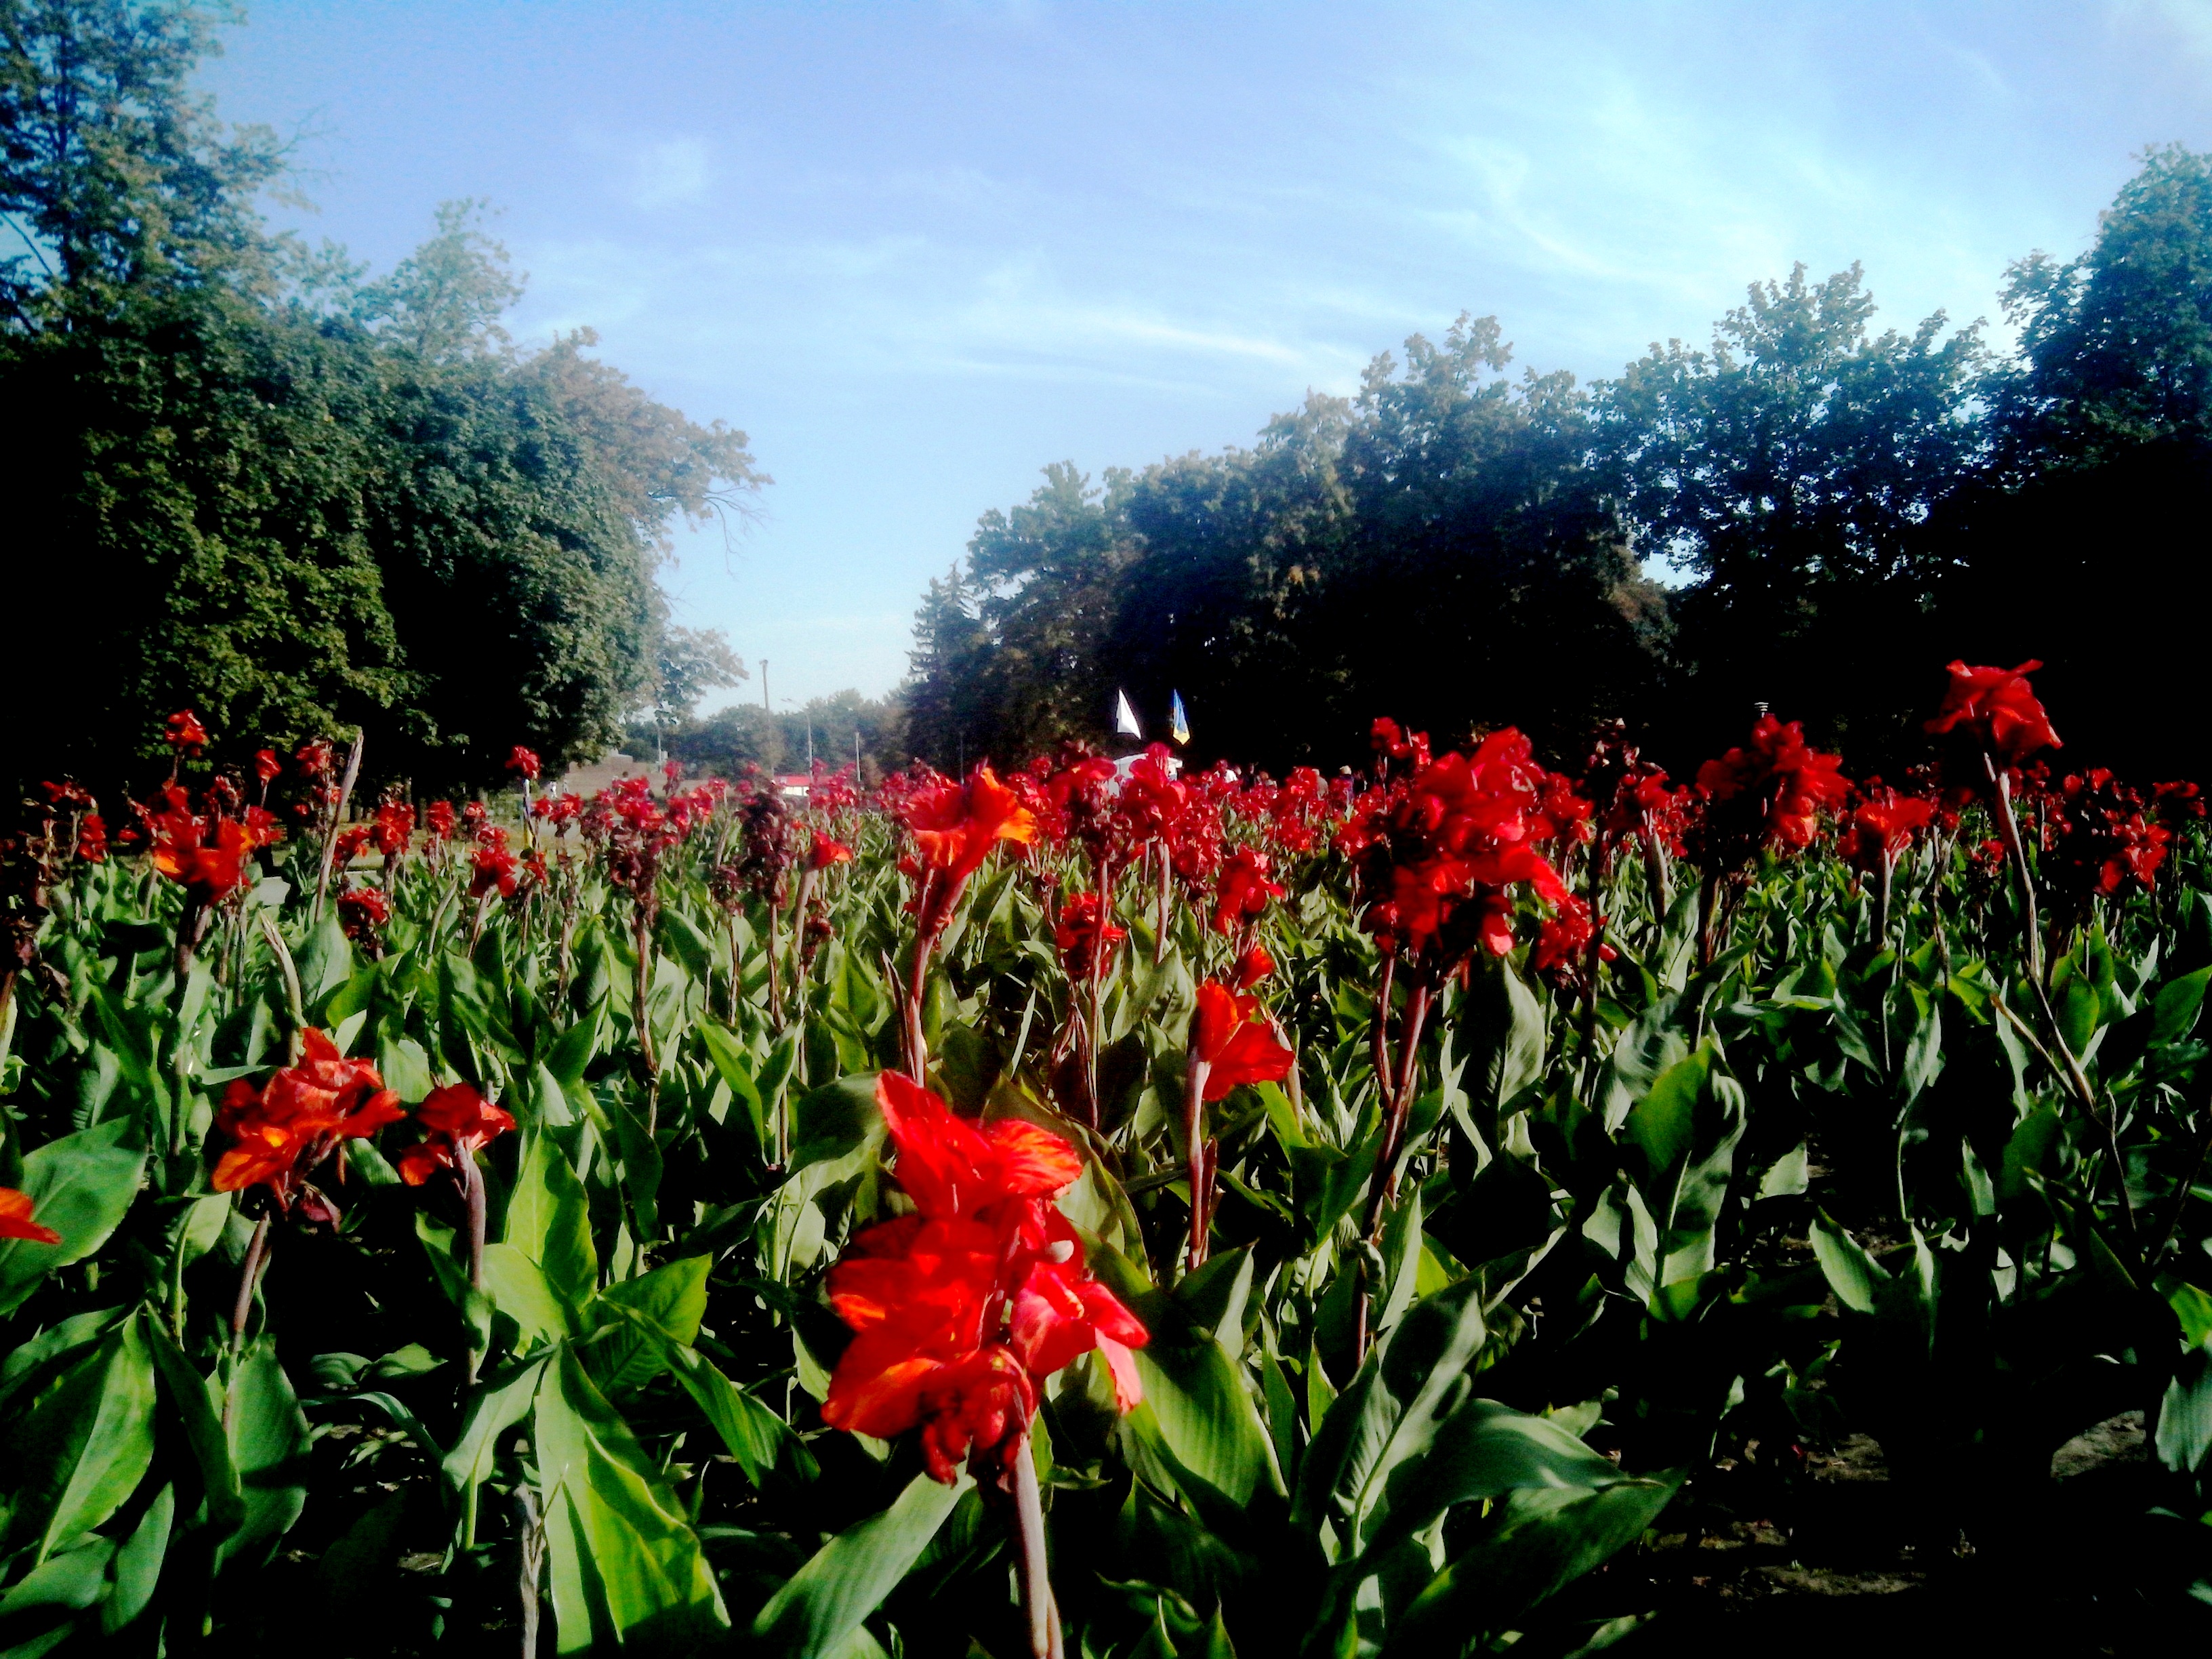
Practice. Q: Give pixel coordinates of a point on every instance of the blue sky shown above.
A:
(918, 251)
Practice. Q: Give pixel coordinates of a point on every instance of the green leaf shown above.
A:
(518, 1289)
(848, 1578)
(83, 1448)
(2175, 1006)
(191, 1397)
(1530, 1548)
(501, 1402)
(624, 1563)
(549, 1220)
(1852, 1274)
(269, 1445)
(1389, 1411)
(1485, 1449)
(731, 1063)
(1197, 1412)
(670, 1301)
(2184, 1417)
(81, 1186)
(753, 1434)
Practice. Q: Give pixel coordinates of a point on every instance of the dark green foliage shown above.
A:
(249, 482)
(1845, 507)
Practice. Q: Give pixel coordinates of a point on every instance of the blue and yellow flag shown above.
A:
(1178, 722)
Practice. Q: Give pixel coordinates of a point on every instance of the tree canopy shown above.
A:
(296, 497)
(1810, 511)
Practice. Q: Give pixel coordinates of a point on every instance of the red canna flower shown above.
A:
(1236, 1045)
(207, 856)
(918, 1293)
(185, 734)
(949, 1165)
(1882, 826)
(438, 819)
(1997, 709)
(1083, 932)
(394, 829)
(828, 851)
(1255, 965)
(955, 826)
(266, 766)
(364, 912)
(281, 1131)
(16, 1220)
(523, 764)
(1767, 795)
(91, 839)
(960, 1310)
(315, 756)
(351, 841)
(1438, 853)
(1243, 892)
(459, 1122)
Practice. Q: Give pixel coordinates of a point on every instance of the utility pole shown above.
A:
(764, 702)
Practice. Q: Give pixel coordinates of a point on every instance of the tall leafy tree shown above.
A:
(1791, 471)
(2076, 543)
(298, 500)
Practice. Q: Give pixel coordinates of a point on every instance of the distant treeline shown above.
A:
(1839, 512)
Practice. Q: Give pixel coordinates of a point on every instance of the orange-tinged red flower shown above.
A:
(1082, 932)
(961, 1310)
(1768, 794)
(1255, 965)
(523, 764)
(16, 1220)
(1235, 1043)
(459, 1122)
(951, 1165)
(955, 826)
(827, 851)
(1998, 708)
(207, 856)
(1882, 826)
(292, 1122)
(183, 731)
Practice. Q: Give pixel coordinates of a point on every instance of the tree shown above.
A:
(267, 487)
(2079, 542)
(118, 183)
(1793, 470)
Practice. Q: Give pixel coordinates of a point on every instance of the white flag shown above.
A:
(1125, 718)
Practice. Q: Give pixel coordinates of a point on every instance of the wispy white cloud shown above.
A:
(672, 172)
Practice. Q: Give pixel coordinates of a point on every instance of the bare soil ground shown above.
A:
(1855, 1566)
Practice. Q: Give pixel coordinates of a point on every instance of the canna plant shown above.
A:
(1058, 1214)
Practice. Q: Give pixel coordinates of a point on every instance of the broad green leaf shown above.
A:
(192, 1397)
(1389, 1411)
(1529, 1547)
(501, 1402)
(2175, 1006)
(269, 1446)
(1485, 1449)
(1196, 1409)
(549, 1220)
(670, 1301)
(1851, 1274)
(848, 1578)
(2184, 1417)
(79, 1186)
(518, 1289)
(82, 1449)
(624, 1564)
